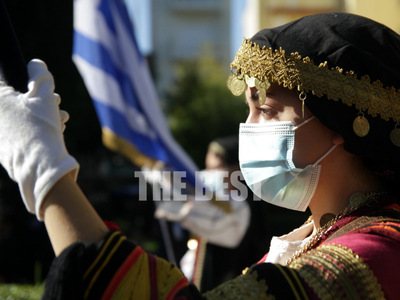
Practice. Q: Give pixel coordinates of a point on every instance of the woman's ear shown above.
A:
(337, 139)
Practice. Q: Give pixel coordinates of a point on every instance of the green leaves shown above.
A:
(200, 107)
(21, 292)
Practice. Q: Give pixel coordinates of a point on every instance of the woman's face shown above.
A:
(312, 140)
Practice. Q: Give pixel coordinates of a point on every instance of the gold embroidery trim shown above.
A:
(242, 287)
(336, 272)
(293, 71)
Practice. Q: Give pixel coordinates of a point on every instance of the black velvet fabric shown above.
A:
(64, 280)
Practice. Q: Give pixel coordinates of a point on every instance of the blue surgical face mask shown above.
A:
(266, 161)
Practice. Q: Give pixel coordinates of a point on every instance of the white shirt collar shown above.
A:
(283, 247)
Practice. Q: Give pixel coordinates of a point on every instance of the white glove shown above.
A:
(64, 117)
(32, 148)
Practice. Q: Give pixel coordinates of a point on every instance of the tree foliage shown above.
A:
(200, 107)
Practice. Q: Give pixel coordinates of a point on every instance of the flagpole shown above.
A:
(169, 248)
(12, 63)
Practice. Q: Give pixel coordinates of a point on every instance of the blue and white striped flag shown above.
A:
(119, 82)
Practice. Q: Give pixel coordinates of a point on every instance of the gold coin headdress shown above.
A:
(259, 67)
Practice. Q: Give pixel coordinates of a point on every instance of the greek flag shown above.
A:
(119, 82)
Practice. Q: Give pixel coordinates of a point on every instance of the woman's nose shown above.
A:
(253, 116)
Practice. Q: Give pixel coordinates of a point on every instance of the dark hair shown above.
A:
(227, 148)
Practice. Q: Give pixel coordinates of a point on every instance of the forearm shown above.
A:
(69, 217)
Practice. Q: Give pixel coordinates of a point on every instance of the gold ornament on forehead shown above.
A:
(295, 72)
(261, 87)
(236, 85)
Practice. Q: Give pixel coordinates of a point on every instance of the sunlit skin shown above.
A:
(69, 216)
(342, 173)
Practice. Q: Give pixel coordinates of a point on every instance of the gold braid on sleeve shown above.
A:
(246, 286)
(336, 272)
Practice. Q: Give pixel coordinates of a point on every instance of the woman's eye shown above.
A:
(265, 111)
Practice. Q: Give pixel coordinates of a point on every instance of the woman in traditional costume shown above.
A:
(322, 132)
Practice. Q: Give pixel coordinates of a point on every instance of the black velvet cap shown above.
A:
(345, 64)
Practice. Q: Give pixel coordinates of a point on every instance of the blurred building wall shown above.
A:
(386, 11)
(277, 12)
(181, 31)
(183, 28)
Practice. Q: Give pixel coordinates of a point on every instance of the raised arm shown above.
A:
(69, 217)
(34, 154)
